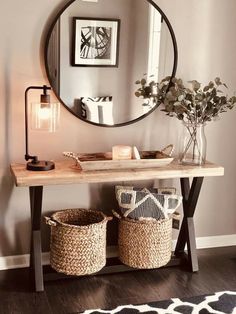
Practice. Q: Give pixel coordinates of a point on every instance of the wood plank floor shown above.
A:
(217, 273)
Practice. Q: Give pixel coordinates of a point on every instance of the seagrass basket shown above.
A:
(78, 241)
(145, 244)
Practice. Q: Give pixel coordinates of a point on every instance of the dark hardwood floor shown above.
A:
(217, 273)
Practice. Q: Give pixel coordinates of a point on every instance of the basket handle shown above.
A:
(176, 215)
(168, 150)
(116, 214)
(108, 218)
(49, 221)
(73, 156)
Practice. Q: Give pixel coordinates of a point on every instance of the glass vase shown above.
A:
(192, 148)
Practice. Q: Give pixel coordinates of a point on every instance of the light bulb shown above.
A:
(45, 116)
(44, 113)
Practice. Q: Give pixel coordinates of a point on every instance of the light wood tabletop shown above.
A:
(66, 172)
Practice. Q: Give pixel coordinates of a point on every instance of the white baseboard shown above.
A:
(19, 261)
(22, 261)
(214, 241)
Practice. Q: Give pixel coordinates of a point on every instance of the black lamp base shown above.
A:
(40, 165)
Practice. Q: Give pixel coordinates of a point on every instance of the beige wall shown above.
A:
(204, 31)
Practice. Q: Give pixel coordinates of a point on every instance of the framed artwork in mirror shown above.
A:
(95, 42)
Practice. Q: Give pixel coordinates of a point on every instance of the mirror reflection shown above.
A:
(97, 50)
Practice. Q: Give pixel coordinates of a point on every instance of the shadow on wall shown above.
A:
(6, 187)
(102, 197)
(45, 233)
(6, 182)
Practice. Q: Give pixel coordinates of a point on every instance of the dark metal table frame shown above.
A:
(186, 234)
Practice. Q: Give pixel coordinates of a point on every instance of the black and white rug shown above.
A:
(220, 302)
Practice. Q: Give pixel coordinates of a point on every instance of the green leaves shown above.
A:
(195, 85)
(192, 103)
(143, 81)
(151, 90)
(219, 83)
(196, 104)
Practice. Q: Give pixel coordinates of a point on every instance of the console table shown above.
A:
(66, 172)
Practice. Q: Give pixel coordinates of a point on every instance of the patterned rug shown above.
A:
(220, 302)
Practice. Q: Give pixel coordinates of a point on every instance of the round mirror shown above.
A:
(97, 50)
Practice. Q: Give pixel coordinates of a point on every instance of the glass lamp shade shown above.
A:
(45, 116)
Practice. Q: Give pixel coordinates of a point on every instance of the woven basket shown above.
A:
(78, 241)
(145, 244)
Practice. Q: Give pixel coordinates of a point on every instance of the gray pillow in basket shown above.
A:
(139, 203)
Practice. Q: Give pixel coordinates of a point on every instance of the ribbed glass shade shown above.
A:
(45, 116)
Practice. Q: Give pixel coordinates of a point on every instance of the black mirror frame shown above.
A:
(118, 124)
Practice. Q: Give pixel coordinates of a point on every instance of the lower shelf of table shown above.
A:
(113, 265)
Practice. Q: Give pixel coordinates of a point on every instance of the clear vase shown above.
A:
(192, 148)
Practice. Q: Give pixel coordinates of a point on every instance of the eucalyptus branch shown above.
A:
(192, 103)
(197, 104)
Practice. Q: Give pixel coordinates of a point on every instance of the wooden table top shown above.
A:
(66, 172)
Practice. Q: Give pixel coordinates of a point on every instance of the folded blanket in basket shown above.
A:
(139, 203)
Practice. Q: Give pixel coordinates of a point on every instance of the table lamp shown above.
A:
(44, 116)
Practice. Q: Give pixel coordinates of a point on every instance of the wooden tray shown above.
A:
(103, 161)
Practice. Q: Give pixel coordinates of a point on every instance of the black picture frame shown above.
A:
(95, 42)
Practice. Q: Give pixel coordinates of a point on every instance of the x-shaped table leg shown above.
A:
(36, 268)
(187, 231)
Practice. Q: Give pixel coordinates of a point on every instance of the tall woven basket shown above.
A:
(78, 241)
(145, 244)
